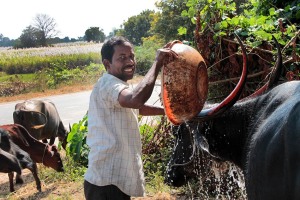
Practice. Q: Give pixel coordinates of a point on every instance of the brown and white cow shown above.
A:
(14, 159)
(40, 152)
(41, 119)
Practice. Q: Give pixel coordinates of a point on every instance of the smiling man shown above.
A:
(115, 169)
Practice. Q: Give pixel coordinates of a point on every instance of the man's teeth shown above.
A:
(128, 70)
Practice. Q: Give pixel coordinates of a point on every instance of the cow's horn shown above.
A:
(234, 95)
(275, 74)
(37, 126)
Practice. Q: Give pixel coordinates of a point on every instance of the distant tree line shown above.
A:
(161, 25)
(6, 42)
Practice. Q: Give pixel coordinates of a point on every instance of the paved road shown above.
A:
(71, 107)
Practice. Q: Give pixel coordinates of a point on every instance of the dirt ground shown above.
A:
(28, 190)
(58, 190)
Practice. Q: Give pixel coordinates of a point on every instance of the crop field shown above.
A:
(57, 49)
(31, 60)
(39, 69)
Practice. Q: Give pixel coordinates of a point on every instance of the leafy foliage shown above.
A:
(137, 27)
(145, 55)
(94, 34)
(156, 140)
(157, 145)
(76, 147)
(5, 41)
(54, 77)
(216, 21)
(29, 38)
(264, 5)
(220, 17)
(169, 21)
(57, 73)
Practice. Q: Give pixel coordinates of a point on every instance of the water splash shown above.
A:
(212, 179)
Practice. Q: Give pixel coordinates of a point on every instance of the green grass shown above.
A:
(22, 77)
(155, 183)
(20, 61)
(73, 172)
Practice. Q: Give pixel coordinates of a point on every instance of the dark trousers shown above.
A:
(108, 192)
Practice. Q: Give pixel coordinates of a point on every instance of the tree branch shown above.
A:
(255, 48)
(236, 78)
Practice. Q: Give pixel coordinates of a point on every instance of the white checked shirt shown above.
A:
(114, 139)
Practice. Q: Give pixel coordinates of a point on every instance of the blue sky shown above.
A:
(72, 17)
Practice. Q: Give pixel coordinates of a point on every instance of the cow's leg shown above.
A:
(34, 172)
(11, 181)
(19, 179)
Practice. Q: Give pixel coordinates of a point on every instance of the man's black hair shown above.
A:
(107, 50)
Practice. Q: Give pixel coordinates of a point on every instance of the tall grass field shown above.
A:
(37, 69)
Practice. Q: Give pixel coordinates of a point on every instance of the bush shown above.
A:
(76, 147)
(145, 56)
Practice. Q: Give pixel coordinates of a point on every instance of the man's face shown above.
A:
(123, 62)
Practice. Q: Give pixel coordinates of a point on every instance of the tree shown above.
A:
(5, 41)
(29, 38)
(94, 34)
(169, 21)
(265, 5)
(137, 27)
(116, 32)
(47, 27)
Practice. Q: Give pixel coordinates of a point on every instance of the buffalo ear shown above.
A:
(42, 119)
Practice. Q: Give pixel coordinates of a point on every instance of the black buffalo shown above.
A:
(41, 119)
(14, 159)
(259, 134)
